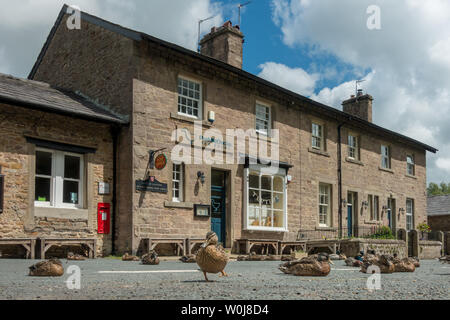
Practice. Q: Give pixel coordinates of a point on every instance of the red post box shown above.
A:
(104, 218)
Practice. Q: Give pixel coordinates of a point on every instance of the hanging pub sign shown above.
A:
(151, 185)
(160, 162)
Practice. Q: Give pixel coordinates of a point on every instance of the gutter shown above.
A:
(339, 172)
(114, 133)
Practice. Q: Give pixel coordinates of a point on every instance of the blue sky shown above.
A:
(315, 48)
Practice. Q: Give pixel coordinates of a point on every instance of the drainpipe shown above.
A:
(114, 133)
(339, 159)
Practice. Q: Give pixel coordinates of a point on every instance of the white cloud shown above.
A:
(409, 58)
(294, 79)
(25, 25)
(443, 163)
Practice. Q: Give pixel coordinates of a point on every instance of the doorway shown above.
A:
(351, 216)
(218, 204)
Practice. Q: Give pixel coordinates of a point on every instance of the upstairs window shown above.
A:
(410, 165)
(385, 157)
(58, 179)
(189, 98)
(353, 147)
(317, 136)
(263, 119)
(177, 183)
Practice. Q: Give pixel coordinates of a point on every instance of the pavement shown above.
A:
(173, 280)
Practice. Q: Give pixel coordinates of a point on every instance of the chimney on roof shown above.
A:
(359, 106)
(224, 44)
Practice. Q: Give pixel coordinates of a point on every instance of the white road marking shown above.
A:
(345, 269)
(151, 271)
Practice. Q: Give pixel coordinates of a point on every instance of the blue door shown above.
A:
(350, 220)
(218, 207)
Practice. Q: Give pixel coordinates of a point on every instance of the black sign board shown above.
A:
(2, 188)
(151, 185)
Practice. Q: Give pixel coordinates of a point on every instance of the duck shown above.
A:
(383, 262)
(403, 265)
(75, 257)
(415, 261)
(352, 262)
(128, 257)
(188, 259)
(312, 266)
(150, 258)
(445, 259)
(48, 268)
(212, 258)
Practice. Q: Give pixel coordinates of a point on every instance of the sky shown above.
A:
(315, 48)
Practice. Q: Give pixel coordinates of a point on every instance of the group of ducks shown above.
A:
(212, 258)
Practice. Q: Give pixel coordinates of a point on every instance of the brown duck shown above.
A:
(188, 259)
(150, 258)
(384, 262)
(212, 258)
(75, 257)
(312, 266)
(403, 265)
(49, 268)
(129, 257)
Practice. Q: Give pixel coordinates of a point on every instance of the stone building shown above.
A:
(336, 170)
(438, 208)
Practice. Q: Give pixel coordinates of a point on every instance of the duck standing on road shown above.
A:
(212, 258)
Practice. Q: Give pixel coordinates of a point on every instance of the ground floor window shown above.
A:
(58, 179)
(265, 199)
(409, 214)
(374, 207)
(324, 205)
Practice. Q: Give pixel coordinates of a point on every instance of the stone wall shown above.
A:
(352, 247)
(430, 249)
(439, 223)
(20, 218)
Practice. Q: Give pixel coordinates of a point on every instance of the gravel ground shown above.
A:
(247, 280)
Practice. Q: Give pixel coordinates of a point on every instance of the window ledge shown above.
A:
(374, 222)
(326, 229)
(319, 152)
(180, 117)
(182, 205)
(61, 213)
(265, 229)
(350, 160)
(410, 176)
(386, 170)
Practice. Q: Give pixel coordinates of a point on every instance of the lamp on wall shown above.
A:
(344, 202)
(201, 177)
(365, 204)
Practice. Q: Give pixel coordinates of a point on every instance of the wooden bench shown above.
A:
(28, 243)
(47, 243)
(284, 244)
(179, 242)
(249, 243)
(332, 245)
(191, 242)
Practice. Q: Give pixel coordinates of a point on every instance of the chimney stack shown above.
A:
(359, 106)
(224, 44)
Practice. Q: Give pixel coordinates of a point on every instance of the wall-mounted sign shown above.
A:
(202, 210)
(151, 185)
(160, 162)
(103, 188)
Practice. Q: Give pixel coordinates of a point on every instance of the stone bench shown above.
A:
(47, 243)
(284, 244)
(180, 243)
(249, 243)
(28, 243)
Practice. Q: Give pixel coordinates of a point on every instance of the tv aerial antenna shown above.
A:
(199, 24)
(240, 6)
(357, 82)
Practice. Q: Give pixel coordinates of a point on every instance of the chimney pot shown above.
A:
(359, 106)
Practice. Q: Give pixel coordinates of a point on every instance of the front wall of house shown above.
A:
(17, 158)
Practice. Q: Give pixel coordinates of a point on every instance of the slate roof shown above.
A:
(438, 205)
(316, 106)
(41, 96)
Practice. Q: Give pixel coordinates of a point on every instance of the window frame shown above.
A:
(387, 157)
(374, 207)
(57, 181)
(199, 100)
(267, 131)
(280, 173)
(354, 147)
(320, 137)
(180, 183)
(328, 205)
(411, 165)
(409, 214)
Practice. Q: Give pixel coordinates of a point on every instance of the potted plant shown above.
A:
(424, 229)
